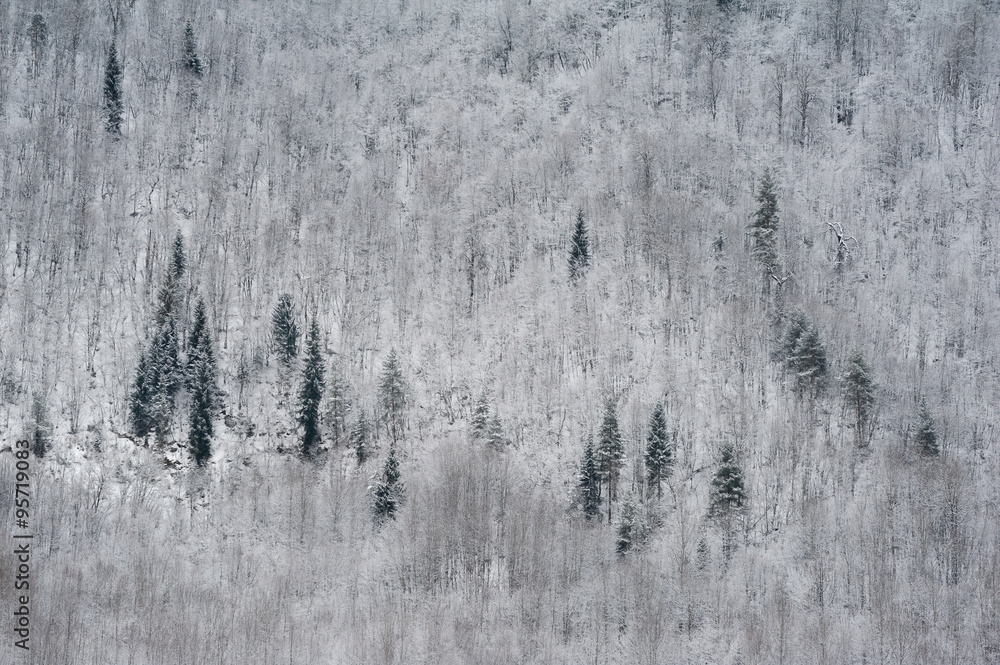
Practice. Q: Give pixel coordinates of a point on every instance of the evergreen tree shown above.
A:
(659, 455)
(589, 483)
(579, 251)
(610, 452)
(359, 437)
(388, 491)
(340, 406)
(632, 528)
(481, 417)
(284, 330)
(192, 63)
(199, 342)
(41, 436)
(178, 261)
(727, 485)
(764, 228)
(494, 433)
(859, 394)
(805, 354)
(141, 398)
(926, 434)
(392, 396)
(311, 392)
(113, 93)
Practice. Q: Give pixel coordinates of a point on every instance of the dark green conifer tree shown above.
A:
(481, 416)
(610, 452)
(311, 392)
(589, 483)
(113, 93)
(41, 435)
(727, 485)
(579, 251)
(339, 406)
(192, 63)
(392, 397)
(659, 454)
(359, 438)
(388, 491)
(859, 395)
(927, 440)
(631, 526)
(284, 330)
(764, 228)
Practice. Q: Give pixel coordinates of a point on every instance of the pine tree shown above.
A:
(192, 63)
(178, 261)
(727, 485)
(764, 228)
(659, 455)
(631, 526)
(805, 354)
(859, 394)
(201, 375)
(359, 437)
(41, 435)
(388, 492)
(589, 483)
(494, 433)
(113, 93)
(610, 452)
(392, 396)
(481, 416)
(579, 251)
(284, 330)
(311, 392)
(140, 398)
(926, 434)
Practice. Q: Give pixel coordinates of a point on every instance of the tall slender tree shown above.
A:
(927, 439)
(859, 395)
(359, 438)
(191, 61)
(204, 390)
(579, 250)
(388, 491)
(727, 485)
(589, 482)
(392, 397)
(659, 454)
(311, 392)
(113, 93)
(610, 452)
(764, 228)
(284, 331)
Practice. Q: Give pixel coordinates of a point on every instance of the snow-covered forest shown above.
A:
(531, 331)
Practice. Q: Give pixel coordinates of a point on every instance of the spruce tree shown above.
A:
(659, 455)
(311, 392)
(113, 93)
(198, 339)
(631, 526)
(359, 437)
(589, 483)
(392, 396)
(140, 399)
(192, 63)
(610, 452)
(388, 491)
(727, 485)
(579, 251)
(805, 354)
(284, 330)
(764, 228)
(481, 417)
(178, 261)
(927, 441)
(859, 394)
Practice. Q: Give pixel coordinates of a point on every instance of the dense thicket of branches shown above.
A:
(412, 173)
